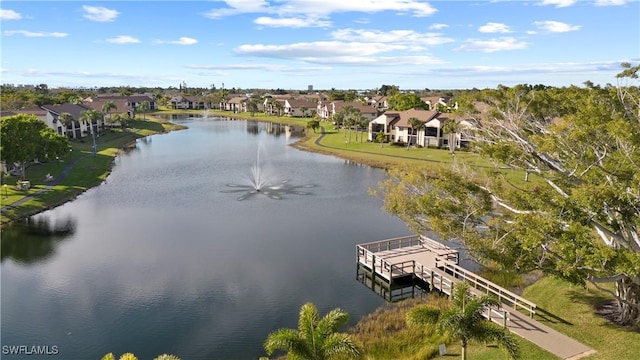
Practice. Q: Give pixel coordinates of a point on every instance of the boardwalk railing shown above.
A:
(477, 282)
(441, 277)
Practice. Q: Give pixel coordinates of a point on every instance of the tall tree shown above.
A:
(26, 138)
(316, 338)
(452, 128)
(91, 117)
(415, 126)
(580, 221)
(143, 107)
(107, 107)
(401, 102)
(68, 121)
(464, 321)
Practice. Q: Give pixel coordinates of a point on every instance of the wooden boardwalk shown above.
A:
(418, 257)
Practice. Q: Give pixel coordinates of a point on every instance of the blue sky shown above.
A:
(342, 44)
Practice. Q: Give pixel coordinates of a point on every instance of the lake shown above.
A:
(163, 258)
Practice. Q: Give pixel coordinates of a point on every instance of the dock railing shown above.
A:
(477, 282)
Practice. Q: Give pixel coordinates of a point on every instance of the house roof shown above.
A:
(364, 109)
(299, 103)
(401, 118)
(31, 111)
(121, 103)
(237, 100)
(75, 110)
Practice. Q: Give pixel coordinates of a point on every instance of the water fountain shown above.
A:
(261, 183)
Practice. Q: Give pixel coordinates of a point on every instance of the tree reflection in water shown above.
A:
(34, 239)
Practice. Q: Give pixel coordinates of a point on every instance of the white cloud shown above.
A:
(492, 27)
(610, 2)
(556, 26)
(339, 52)
(34, 34)
(267, 67)
(408, 37)
(492, 45)
(123, 39)
(239, 7)
(558, 3)
(321, 7)
(184, 41)
(292, 22)
(9, 15)
(99, 13)
(438, 26)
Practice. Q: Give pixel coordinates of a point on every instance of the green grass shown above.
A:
(89, 171)
(562, 306)
(570, 310)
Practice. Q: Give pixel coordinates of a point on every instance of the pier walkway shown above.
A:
(419, 258)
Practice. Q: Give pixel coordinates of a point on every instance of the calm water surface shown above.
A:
(161, 260)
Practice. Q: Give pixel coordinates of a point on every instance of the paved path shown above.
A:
(50, 185)
(518, 323)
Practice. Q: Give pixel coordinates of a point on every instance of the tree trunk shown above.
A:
(628, 292)
(463, 350)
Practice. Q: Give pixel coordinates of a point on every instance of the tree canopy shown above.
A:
(580, 217)
(25, 139)
(405, 101)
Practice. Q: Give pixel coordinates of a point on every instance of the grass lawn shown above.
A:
(565, 307)
(88, 170)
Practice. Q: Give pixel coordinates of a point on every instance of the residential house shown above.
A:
(78, 128)
(395, 127)
(189, 102)
(378, 102)
(440, 103)
(299, 107)
(326, 110)
(235, 103)
(121, 103)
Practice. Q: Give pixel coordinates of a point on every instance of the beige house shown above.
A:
(328, 109)
(396, 127)
(299, 107)
(77, 129)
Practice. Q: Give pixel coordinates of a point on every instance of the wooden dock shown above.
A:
(419, 259)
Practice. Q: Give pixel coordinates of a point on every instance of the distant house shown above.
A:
(328, 109)
(395, 127)
(189, 102)
(77, 129)
(440, 103)
(299, 107)
(121, 103)
(235, 103)
(379, 103)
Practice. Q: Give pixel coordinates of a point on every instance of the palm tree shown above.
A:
(67, 120)
(452, 128)
(107, 107)
(464, 320)
(143, 107)
(91, 117)
(416, 125)
(315, 339)
(279, 107)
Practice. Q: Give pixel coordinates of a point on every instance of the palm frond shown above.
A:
(493, 332)
(307, 323)
(288, 340)
(331, 322)
(341, 346)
